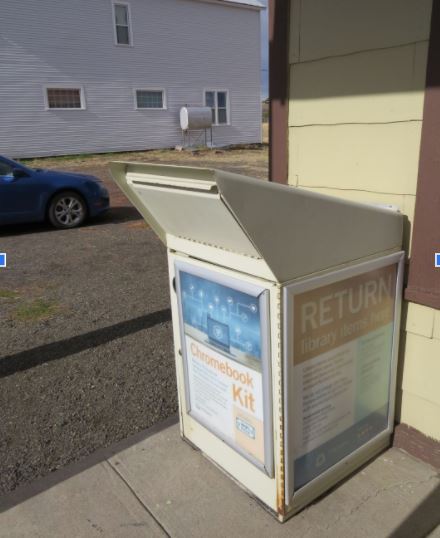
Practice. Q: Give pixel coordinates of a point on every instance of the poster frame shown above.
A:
(261, 294)
(289, 293)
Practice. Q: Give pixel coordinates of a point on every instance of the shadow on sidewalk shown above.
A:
(423, 520)
(22, 493)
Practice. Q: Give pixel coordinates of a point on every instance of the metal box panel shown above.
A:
(294, 232)
(341, 334)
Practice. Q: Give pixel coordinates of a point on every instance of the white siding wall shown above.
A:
(182, 46)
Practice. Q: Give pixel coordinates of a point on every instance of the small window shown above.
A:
(218, 102)
(121, 16)
(63, 98)
(150, 99)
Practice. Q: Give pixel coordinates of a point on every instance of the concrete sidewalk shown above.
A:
(160, 486)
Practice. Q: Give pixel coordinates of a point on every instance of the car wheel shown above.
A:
(67, 210)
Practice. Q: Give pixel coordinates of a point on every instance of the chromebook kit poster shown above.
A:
(342, 349)
(223, 352)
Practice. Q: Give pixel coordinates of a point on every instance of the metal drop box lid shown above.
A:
(273, 231)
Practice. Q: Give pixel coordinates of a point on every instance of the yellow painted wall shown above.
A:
(357, 80)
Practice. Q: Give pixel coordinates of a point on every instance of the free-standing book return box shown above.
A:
(285, 308)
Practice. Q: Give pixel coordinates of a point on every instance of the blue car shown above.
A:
(65, 199)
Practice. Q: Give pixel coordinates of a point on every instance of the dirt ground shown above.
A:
(251, 160)
(86, 353)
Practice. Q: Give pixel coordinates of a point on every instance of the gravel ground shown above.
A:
(93, 362)
(86, 354)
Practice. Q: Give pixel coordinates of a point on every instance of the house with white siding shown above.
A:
(107, 75)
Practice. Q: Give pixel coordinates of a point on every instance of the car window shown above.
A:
(5, 170)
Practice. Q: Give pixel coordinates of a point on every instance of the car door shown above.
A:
(19, 197)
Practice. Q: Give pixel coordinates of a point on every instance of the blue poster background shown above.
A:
(315, 462)
(228, 318)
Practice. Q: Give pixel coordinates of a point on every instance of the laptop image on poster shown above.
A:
(218, 334)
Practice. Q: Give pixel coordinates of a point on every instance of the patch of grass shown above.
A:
(58, 158)
(36, 310)
(137, 224)
(42, 162)
(8, 294)
(167, 154)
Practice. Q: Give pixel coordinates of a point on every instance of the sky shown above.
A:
(264, 53)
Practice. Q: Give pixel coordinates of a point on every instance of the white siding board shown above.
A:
(182, 46)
